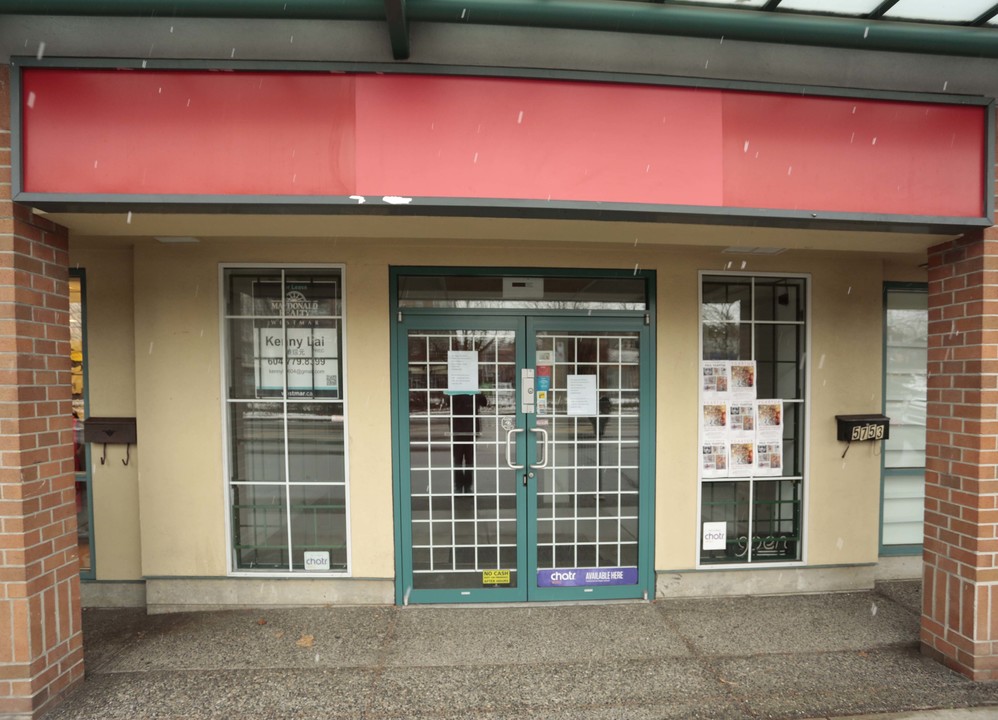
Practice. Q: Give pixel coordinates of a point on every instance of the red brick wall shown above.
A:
(960, 580)
(41, 647)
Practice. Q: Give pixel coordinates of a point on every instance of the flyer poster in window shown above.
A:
(715, 376)
(769, 457)
(741, 421)
(462, 371)
(741, 458)
(742, 380)
(769, 419)
(715, 421)
(714, 460)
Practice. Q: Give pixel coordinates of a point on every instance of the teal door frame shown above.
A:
(525, 323)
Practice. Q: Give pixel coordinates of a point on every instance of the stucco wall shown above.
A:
(177, 387)
(111, 388)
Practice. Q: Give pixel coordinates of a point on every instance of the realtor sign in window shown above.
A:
(302, 349)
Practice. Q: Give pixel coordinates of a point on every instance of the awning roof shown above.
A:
(971, 13)
(955, 27)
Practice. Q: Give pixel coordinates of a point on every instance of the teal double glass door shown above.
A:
(523, 446)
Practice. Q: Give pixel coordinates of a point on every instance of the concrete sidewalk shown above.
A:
(762, 657)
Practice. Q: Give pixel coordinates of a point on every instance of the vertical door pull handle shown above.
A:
(544, 444)
(509, 447)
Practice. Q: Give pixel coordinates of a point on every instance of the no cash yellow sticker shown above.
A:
(495, 577)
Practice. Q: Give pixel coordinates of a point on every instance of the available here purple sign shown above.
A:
(587, 577)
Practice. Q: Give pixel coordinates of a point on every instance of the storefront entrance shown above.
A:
(524, 447)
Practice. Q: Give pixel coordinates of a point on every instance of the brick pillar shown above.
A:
(41, 644)
(960, 574)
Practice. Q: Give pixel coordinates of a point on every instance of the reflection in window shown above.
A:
(285, 412)
(77, 356)
(905, 363)
(762, 319)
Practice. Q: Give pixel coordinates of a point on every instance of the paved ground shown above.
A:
(761, 657)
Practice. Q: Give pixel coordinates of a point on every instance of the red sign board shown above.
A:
(286, 135)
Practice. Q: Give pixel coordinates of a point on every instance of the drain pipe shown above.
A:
(599, 15)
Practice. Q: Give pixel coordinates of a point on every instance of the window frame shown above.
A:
(232, 570)
(805, 401)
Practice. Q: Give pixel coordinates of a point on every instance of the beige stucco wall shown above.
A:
(177, 387)
(111, 386)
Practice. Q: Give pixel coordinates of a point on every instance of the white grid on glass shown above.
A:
(459, 527)
(292, 470)
(793, 407)
(588, 496)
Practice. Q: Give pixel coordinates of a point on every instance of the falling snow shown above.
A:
(31, 99)
(41, 50)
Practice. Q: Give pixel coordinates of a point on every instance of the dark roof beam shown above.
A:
(398, 28)
(985, 16)
(878, 12)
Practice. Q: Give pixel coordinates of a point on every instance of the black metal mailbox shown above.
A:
(113, 430)
(857, 428)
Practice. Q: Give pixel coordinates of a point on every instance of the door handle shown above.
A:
(544, 444)
(509, 446)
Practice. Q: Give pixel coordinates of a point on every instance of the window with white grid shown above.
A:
(761, 319)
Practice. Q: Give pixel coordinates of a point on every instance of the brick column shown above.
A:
(960, 574)
(41, 645)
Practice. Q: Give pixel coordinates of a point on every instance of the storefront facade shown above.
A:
(482, 326)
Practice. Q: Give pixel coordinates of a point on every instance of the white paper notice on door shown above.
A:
(583, 397)
(462, 370)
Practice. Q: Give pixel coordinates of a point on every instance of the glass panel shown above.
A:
(77, 376)
(260, 526)
(779, 299)
(837, 7)
(462, 492)
(318, 523)
(316, 443)
(776, 520)
(905, 391)
(494, 292)
(727, 502)
(904, 508)
(907, 360)
(778, 352)
(934, 10)
(253, 293)
(736, 3)
(587, 497)
(257, 432)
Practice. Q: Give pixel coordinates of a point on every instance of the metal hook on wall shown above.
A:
(103, 458)
(128, 451)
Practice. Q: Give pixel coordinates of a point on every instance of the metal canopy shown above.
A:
(958, 27)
